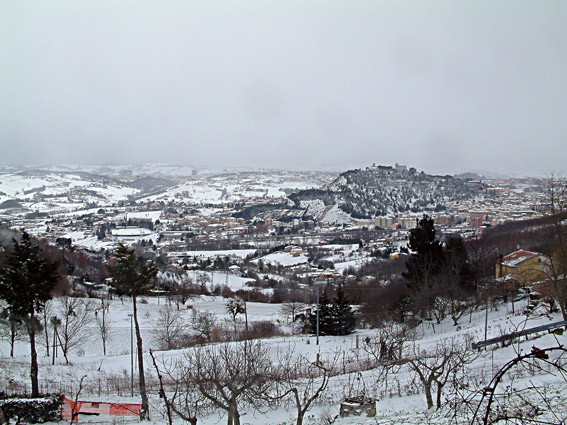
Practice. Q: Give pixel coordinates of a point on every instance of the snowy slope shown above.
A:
(405, 405)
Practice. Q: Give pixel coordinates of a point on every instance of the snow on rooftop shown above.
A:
(144, 215)
(135, 231)
(517, 257)
(285, 259)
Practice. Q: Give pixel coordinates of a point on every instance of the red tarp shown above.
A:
(70, 407)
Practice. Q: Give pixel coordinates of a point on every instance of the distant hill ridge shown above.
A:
(384, 190)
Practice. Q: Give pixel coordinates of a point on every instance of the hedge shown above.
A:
(32, 410)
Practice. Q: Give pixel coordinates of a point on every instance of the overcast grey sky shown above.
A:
(444, 86)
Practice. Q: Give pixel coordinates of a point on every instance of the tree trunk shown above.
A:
(46, 329)
(558, 288)
(300, 411)
(104, 329)
(12, 338)
(563, 307)
(34, 367)
(428, 396)
(439, 388)
(144, 413)
(233, 415)
(65, 349)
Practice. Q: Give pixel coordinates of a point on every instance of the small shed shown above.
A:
(358, 406)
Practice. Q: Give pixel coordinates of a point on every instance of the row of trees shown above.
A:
(61, 325)
(228, 376)
(27, 283)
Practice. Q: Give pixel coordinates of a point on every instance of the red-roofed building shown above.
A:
(522, 267)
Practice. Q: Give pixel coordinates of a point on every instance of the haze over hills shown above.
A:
(354, 194)
(170, 169)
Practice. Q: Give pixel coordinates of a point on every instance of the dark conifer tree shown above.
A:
(26, 284)
(343, 320)
(426, 260)
(335, 318)
(133, 277)
(456, 262)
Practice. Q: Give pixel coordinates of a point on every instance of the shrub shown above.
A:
(263, 329)
(32, 410)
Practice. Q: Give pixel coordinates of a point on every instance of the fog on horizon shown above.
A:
(442, 86)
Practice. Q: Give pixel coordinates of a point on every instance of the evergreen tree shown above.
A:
(26, 284)
(456, 263)
(133, 277)
(335, 318)
(426, 260)
(343, 320)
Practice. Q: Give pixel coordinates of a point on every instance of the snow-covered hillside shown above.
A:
(382, 190)
(402, 402)
(72, 188)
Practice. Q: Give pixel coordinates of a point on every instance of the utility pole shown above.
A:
(54, 351)
(131, 355)
(246, 315)
(317, 316)
(486, 313)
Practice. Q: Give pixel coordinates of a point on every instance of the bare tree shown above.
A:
(12, 328)
(301, 378)
(386, 349)
(434, 367)
(386, 346)
(75, 317)
(169, 328)
(457, 279)
(290, 309)
(235, 307)
(75, 414)
(184, 289)
(183, 399)
(459, 307)
(522, 403)
(557, 248)
(229, 375)
(162, 392)
(203, 279)
(439, 308)
(46, 315)
(204, 324)
(103, 322)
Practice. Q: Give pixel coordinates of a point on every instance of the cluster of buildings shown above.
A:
(164, 225)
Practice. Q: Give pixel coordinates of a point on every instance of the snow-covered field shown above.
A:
(56, 185)
(284, 258)
(53, 185)
(406, 405)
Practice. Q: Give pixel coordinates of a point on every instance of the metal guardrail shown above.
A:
(513, 335)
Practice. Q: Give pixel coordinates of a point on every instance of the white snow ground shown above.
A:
(405, 409)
